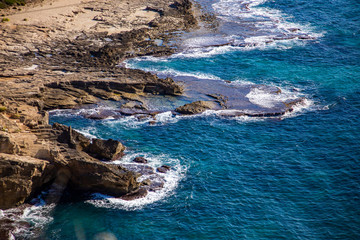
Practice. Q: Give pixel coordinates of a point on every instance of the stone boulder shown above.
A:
(163, 169)
(140, 193)
(106, 149)
(7, 144)
(95, 176)
(197, 107)
(140, 160)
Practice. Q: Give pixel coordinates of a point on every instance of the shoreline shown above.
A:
(59, 63)
(71, 59)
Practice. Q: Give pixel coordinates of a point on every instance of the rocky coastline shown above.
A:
(65, 54)
(66, 58)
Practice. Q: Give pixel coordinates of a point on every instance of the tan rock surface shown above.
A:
(21, 178)
(61, 54)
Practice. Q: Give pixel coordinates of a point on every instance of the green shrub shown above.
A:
(10, 2)
(7, 3)
(5, 20)
(3, 109)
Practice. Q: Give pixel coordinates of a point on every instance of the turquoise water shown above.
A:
(291, 178)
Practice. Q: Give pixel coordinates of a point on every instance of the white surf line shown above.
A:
(267, 28)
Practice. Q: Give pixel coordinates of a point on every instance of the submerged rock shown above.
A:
(100, 114)
(140, 193)
(156, 184)
(291, 103)
(140, 160)
(197, 107)
(163, 168)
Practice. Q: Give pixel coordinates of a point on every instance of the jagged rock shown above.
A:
(95, 176)
(196, 107)
(140, 193)
(291, 103)
(7, 144)
(73, 138)
(21, 177)
(100, 114)
(106, 149)
(163, 168)
(140, 160)
(133, 105)
(142, 169)
(146, 182)
(155, 184)
(102, 149)
(11, 220)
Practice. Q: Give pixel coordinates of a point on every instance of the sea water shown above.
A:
(291, 177)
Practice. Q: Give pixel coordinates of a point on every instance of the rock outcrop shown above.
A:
(7, 144)
(163, 169)
(66, 162)
(21, 177)
(106, 149)
(197, 107)
(140, 160)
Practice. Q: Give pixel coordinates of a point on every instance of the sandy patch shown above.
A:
(69, 14)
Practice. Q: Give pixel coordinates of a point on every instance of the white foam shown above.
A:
(267, 20)
(269, 99)
(128, 122)
(38, 216)
(166, 117)
(77, 112)
(267, 28)
(299, 108)
(87, 132)
(204, 52)
(166, 71)
(241, 82)
(171, 178)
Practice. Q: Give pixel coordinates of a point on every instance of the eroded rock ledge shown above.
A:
(61, 156)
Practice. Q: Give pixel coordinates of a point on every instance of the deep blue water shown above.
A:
(291, 178)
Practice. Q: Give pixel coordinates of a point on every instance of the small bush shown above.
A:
(10, 2)
(5, 20)
(3, 109)
(7, 3)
